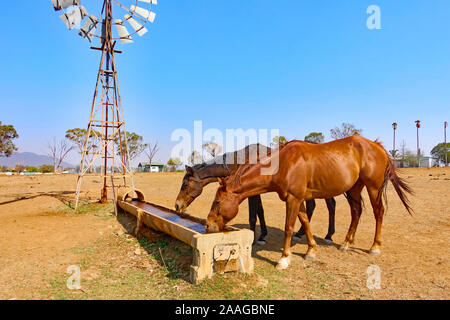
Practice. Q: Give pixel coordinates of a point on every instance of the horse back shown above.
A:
(329, 169)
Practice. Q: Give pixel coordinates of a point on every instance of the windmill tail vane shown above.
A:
(106, 142)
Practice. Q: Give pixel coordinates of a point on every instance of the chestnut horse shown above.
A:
(307, 171)
(198, 176)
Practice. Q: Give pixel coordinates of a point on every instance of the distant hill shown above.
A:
(29, 159)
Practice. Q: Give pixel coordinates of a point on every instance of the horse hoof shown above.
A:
(310, 257)
(344, 248)
(375, 252)
(328, 241)
(283, 264)
(261, 242)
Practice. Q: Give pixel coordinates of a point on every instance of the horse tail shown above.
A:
(400, 186)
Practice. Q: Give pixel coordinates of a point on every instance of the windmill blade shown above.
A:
(139, 28)
(150, 1)
(73, 18)
(123, 32)
(87, 31)
(64, 4)
(144, 13)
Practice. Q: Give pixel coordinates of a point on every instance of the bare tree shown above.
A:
(403, 150)
(213, 148)
(195, 158)
(346, 130)
(151, 151)
(58, 151)
(20, 168)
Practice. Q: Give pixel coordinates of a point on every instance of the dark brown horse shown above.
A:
(197, 177)
(308, 171)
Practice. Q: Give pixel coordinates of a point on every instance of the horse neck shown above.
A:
(253, 183)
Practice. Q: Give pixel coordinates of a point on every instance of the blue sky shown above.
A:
(295, 65)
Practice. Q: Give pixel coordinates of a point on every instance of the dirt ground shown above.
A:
(40, 236)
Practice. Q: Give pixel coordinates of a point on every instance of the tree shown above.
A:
(195, 158)
(212, 148)
(438, 152)
(173, 163)
(32, 169)
(279, 140)
(78, 137)
(411, 157)
(394, 154)
(46, 168)
(135, 144)
(346, 130)
(315, 137)
(151, 151)
(403, 150)
(58, 151)
(7, 135)
(20, 168)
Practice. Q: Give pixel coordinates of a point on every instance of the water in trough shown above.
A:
(169, 215)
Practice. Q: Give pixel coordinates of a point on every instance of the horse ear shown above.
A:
(189, 170)
(221, 181)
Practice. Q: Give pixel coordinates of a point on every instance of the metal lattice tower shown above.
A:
(106, 138)
(106, 121)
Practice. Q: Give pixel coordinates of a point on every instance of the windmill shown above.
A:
(106, 123)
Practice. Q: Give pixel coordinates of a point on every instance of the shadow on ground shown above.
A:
(171, 254)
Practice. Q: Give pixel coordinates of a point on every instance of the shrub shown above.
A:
(45, 168)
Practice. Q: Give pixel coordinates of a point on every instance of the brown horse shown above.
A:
(308, 171)
(198, 176)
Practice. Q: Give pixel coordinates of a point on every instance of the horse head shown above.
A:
(191, 188)
(224, 208)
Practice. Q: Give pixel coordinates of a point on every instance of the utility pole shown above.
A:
(445, 142)
(394, 126)
(418, 148)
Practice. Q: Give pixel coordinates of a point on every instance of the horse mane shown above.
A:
(218, 166)
(235, 179)
(208, 170)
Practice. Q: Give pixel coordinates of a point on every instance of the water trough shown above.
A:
(213, 252)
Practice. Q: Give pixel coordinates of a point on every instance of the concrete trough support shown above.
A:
(213, 252)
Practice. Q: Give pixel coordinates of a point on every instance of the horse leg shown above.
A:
(311, 253)
(310, 206)
(262, 221)
(378, 211)
(331, 205)
(252, 215)
(354, 200)
(292, 209)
